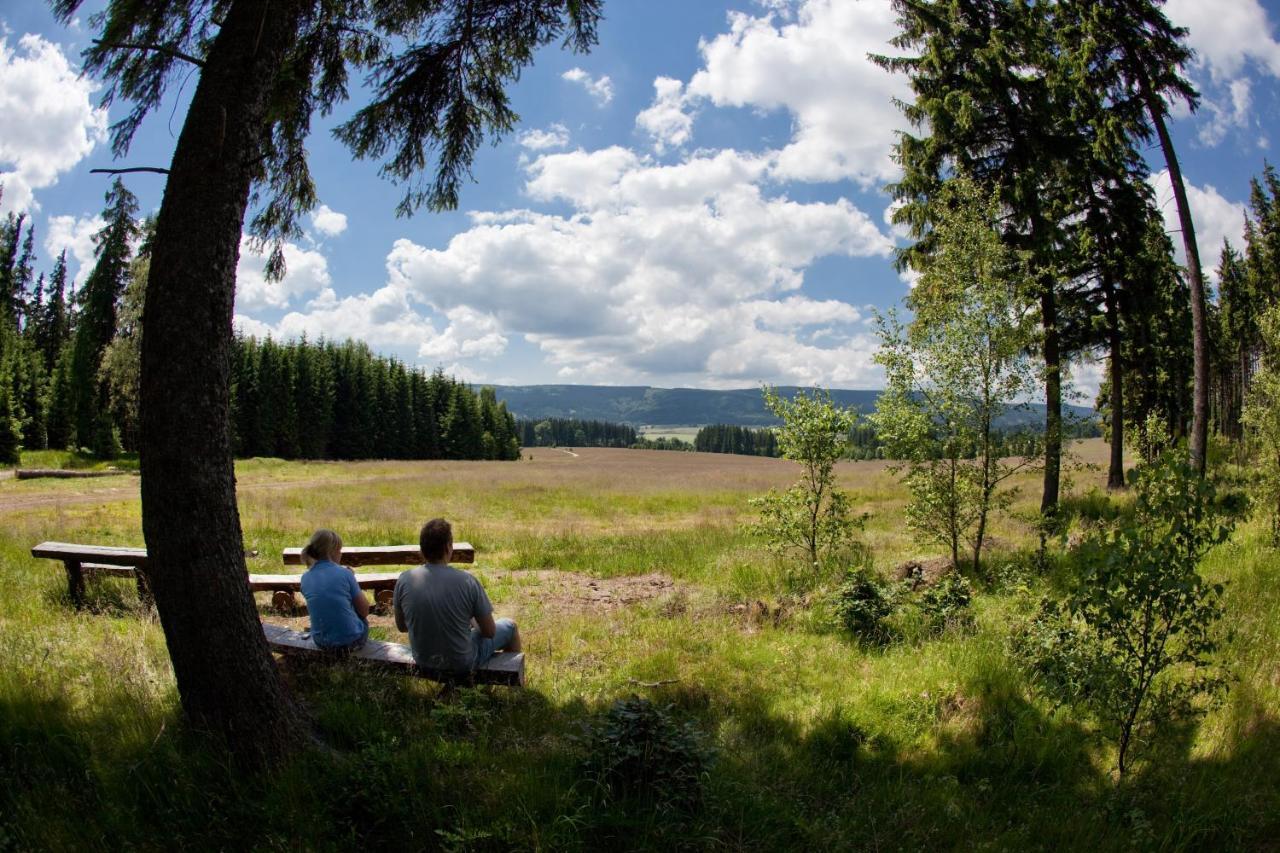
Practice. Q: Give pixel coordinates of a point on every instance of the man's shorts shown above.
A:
(486, 646)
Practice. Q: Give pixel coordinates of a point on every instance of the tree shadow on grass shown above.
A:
(103, 596)
(411, 765)
(998, 772)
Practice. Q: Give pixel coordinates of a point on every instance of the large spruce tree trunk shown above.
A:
(226, 677)
(1052, 353)
(1115, 474)
(1199, 327)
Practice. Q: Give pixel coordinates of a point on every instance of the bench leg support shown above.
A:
(285, 601)
(75, 582)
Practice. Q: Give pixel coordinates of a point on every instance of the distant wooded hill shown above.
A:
(641, 405)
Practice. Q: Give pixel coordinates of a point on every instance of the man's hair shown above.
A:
(435, 539)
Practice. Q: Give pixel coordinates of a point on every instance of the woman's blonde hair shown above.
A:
(324, 545)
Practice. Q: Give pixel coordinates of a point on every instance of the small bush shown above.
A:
(639, 752)
(945, 605)
(1133, 641)
(863, 603)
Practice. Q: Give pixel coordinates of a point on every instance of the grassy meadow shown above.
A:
(683, 433)
(629, 573)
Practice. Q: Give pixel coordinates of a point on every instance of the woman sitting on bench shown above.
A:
(339, 611)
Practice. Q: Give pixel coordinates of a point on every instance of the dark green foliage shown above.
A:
(1248, 284)
(59, 422)
(726, 438)
(303, 400)
(16, 255)
(51, 325)
(640, 754)
(1132, 642)
(96, 323)
(572, 432)
(945, 605)
(10, 424)
(862, 604)
(662, 443)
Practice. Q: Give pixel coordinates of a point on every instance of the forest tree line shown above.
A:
(573, 432)
(69, 370)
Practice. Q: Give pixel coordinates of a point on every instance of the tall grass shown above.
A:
(821, 743)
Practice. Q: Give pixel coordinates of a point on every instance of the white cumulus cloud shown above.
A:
(470, 334)
(600, 88)
(49, 124)
(1227, 35)
(75, 235)
(814, 64)
(668, 119)
(684, 273)
(555, 136)
(385, 319)
(307, 272)
(327, 221)
(1234, 44)
(1215, 219)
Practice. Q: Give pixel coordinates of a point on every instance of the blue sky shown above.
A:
(697, 202)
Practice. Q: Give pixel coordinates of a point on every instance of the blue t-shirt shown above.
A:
(330, 590)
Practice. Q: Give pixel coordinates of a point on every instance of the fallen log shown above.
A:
(63, 473)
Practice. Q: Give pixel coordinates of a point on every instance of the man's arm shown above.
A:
(401, 626)
(482, 612)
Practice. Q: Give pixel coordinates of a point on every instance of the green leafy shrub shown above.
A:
(945, 605)
(813, 518)
(638, 752)
(862, 604)
(1132, 642)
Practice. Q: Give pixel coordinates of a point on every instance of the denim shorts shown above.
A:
(486, 646)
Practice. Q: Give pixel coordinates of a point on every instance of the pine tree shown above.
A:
(121, 359)
(61, 409)
(96, 323)
(55, 326)
(1140, 57)
(10, 426)
(16, 253)
(989, 103)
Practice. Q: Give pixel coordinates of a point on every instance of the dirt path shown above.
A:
(518, 592)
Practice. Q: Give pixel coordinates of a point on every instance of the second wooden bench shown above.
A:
(82, 561)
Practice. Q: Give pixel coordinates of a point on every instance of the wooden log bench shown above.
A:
(383, 584)
(504, 668)
(84, 561)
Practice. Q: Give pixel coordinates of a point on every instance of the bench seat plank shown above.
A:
(293, 582)
(505, 668)
(385, 555)
(109, 571)
(110, 554)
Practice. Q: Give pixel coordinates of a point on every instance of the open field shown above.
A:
(684, 433)
(624, 569)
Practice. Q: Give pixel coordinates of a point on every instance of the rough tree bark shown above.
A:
(1115, 474)
(1051, 349)
(1199, 328)
(226, 676)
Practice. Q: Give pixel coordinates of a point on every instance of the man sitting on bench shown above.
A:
(436, 603)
